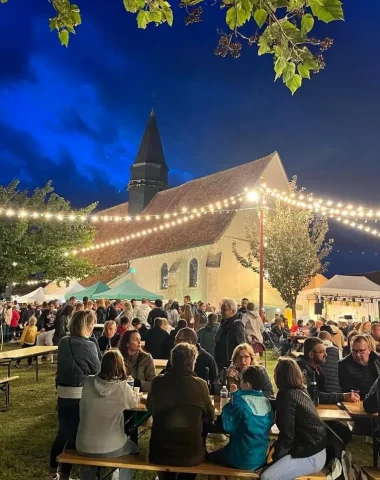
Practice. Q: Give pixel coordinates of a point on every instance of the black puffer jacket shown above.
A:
(329, 370)
(230, 334)
(353, 376)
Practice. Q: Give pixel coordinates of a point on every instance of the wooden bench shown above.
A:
(372, 472)
(137, 462)
(4, 387)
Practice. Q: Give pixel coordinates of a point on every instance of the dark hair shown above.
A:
(287, 374)
(124, 321)
(187, 297)
(44, 304)
(245, 298)
(124, 341)
(328, 329)
(255, 376)
(112, 367)
(67, 310)
(29, 306)
(158, 303)
(136, 321)
(310, 344)
(212, 318)
(312, 322)
(187, 335)
(250, 306)
(181, 324)
(374, 325)
(72, 298)
(51, 303)
(158, 322)
(300, 323)
(133, 300)
(174, 306)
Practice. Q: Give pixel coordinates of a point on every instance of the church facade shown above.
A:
(193, 257)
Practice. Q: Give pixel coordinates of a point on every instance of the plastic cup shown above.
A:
(136, 390)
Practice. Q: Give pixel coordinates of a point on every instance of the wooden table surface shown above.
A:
(26, 352)
(160, 362)
(357, 410)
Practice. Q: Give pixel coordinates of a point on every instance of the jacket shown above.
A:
(106, 343)
(254, 326)
(101, 425)
(77, 359)
(111, 313)
(338, 337)
(248, 418)
(371, 402)
(353, 376)
(15, 318)
(29, 335)
(203, 361)
(229, 335)
(141, 367)
(156, 313)
(142, 312)
(206, 337)
(324, 396)
(101, 315)
(173, 317)
(61, 328)
(179, 402)
(156, 342)
(301, 432)
(200, 319)
(329, 369)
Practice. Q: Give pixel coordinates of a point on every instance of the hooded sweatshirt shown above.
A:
(101, 425)
(206, 337)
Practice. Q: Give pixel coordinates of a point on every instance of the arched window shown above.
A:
(164, 276)
(193, 273)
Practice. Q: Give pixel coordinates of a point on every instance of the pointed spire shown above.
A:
(150, 150)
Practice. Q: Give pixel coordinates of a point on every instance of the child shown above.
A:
(28, 338)
(101, 426)
(248, 418)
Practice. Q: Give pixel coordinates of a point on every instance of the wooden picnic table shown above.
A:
(6, 358)
(160, 362)
(356, 410)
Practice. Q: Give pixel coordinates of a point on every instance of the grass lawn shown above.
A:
(28, 428)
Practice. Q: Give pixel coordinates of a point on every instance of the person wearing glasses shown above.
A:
(360, 369)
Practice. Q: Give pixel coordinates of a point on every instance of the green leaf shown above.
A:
(3, 1)
(70, 29)
(53, 23)
(304, 71)
(264, 46)
(294, 5)
(193, 2)
(143, 19)
(280, 66)
(288, 72)
(327, 10)
(294, 83)
(131, 5)
(168, 14)
(236, 18)
(77, 18)
(307, 23)
(156, 16)
(260, 16)
(63, 36)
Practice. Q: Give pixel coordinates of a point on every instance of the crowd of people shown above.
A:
(209, 351)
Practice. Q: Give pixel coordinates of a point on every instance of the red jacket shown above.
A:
(15, 318)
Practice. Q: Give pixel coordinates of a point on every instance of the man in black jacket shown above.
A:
(110, 338)
(229, 335)
(204, 360)
(359, 370)
(156, 340)
(157, 312)
(329, 367)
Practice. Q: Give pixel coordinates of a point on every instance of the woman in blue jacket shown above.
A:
(248, 418)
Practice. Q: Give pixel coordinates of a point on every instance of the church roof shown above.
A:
(151, 146)
(194, 194)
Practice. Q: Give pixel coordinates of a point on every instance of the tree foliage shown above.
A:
(281, 28)
(37, 246)
(295, 248)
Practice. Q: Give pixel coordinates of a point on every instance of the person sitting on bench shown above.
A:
(248, 418)
(101, 426)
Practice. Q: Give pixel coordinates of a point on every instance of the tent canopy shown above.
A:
(343, 285)
(53, 290)
(127, 290)
(37, 295)
(89, 292)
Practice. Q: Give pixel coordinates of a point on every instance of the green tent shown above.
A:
(127, 290)
(89, 292)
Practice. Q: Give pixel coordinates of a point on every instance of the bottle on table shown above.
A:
(223, 396)
(314, 390)
(130, 381)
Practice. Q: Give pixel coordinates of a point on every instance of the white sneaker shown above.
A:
(53, 476)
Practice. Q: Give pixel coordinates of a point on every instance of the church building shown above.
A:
(192, 257)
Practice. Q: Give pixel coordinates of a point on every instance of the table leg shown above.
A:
(7, 387)
(9, 368)
(375, 442)
(36, 362)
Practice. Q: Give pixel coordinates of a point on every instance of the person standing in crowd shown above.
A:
(200, 318)
(61, 326)
(329, 368)
(127, 312)
(125, 325)
(375, 332)
(230, 333)
(173, 314)
(139, 363)
(205, 365)
(337, 337)
(143, 311)
(193, 307)
(171, 341)
(101, 433)
(243, 357)
(360, 369)
(45, 337)
(301, 445)
(14, 323)
(77, 359)
(8, 320)
(180, 404)
(111, 312)
(187, 314)
(141, 327)
(101, 312)
(243, 306)
(206, 335)
(253, 324)
(365, 328)
(248, 418)
(157, 312)
(109, 338)
(156, 340)
(134, 307)
(79, 306)
(28, 339)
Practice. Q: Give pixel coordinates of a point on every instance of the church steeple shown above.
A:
(149, 172)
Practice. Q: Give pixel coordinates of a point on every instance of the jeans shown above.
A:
(87, 472)
(288, 468)
(30, 359)
(68, 421)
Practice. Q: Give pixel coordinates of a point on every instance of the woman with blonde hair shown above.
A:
(364, 328)
(165, 325)
(79, 306)
(371, 343)
(187, 315)
(300, 449)
(77, 359)
(127, 312)
(101, 311)
(243, 356)
(101, 432)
